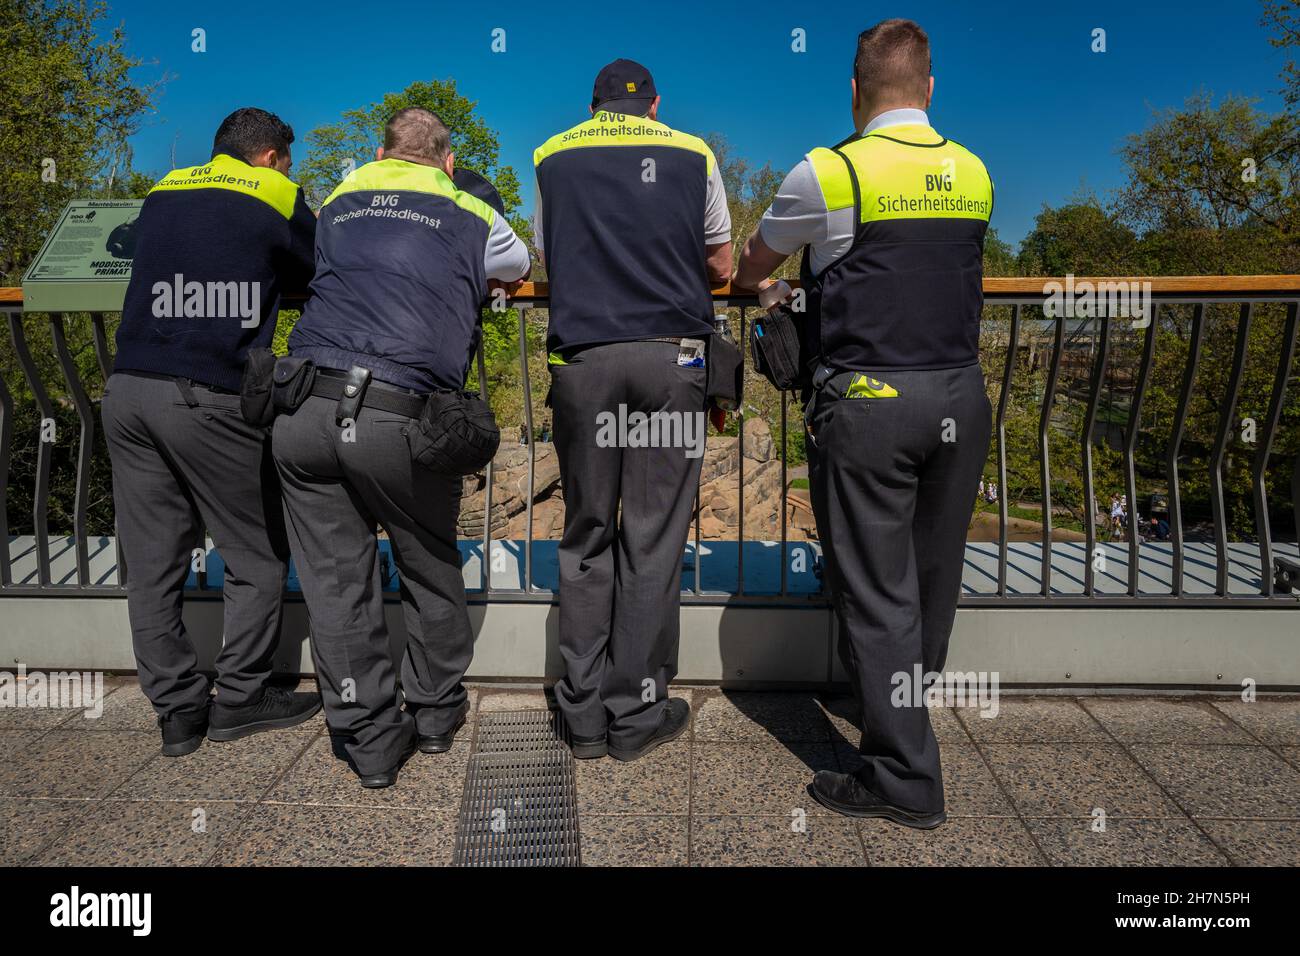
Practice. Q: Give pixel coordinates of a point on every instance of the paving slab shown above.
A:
(658, 783)
(1257, 842)
(1166, 721)
(241, 769)
(730, 717)
(321, 777)
(1125, 842)
(1036, 720)
(1270, 721)
(1071, 780)
(72, 764)
(28, 825)
(145, 833)
(762, 778)
(749, 840)
(626, 840)
(1246, 782)
(962, 841)
(279, 835)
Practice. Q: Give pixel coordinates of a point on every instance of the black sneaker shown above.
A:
(844, 793)
(278, 708)
(677, 717)
(182, 732)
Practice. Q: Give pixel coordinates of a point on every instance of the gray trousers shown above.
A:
(620, 570)
(892, 483)
(179, 469)
(335, 494)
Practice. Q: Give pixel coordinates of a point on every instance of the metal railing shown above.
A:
(1043, 568)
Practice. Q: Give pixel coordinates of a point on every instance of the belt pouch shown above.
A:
(294, 378)
(255, 388)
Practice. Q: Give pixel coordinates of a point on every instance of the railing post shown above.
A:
(1176, 443)
(105, 361)
(1262, 452)
(740, 485)
(1013, 345)
(1221, 448)
(1089, 423)
(485, 565)
(6, 437)
(85, 447)
(785, 489)
(1045, 468)
(1130, 447)
(41, 492)
(532, 451)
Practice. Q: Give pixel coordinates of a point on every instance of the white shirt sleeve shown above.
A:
(717, 217)
(798, 217)
(506, 256)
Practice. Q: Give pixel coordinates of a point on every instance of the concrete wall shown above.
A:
(753, 646)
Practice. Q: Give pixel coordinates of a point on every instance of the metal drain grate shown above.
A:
(513, 730)
(520, 803)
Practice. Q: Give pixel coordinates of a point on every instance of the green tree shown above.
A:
(1080, 238)
(70, 106)
(1213, 189)
(1283, 16)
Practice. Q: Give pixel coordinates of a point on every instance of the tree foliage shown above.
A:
(68, 98)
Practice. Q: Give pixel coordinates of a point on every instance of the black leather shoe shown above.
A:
(182, 732)
(587, 748)
(386, 778)
(844, 793)
(441, 743)
(677, 717)
(277, 709)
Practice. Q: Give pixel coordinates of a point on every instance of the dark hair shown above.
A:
(249, 131)
(417, 133)
(893, 63)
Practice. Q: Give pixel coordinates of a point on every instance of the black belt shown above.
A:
(178, 379)
(379, 395)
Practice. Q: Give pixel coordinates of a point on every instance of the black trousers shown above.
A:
(892, 483)
(180, 469)
(336, 492)
(627, 512)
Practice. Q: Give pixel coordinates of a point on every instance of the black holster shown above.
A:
(255, 389)
(293, 380)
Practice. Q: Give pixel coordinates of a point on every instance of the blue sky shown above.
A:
(1015, 82)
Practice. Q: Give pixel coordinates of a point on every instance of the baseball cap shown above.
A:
(624, 86)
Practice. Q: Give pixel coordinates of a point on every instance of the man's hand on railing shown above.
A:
(510, 287)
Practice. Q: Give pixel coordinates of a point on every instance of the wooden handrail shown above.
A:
(12, 296)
